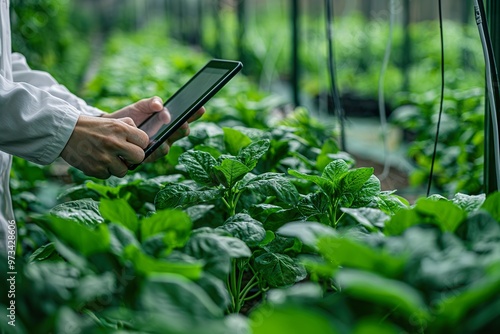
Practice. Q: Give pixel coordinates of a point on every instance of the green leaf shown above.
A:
(199, 166)
(119, 211)
(401, 221)
(284, 245)
(177, 298)
(83, 211)
(469, 203)
(335, 171)
(80, 191)
(481, 233)
(84, 239)
(231, 171)
(279, 270)
(173, 155)
(181, 195)
(121, 237)
(353, 180)
(244, 227)
(208, 149)
(307, 232)
(138, 193)
(368, 193)
(251, 154)
(455, 308)
(235, 140)
(93, 287)
(175, 224)
(382, 291)
(314, 205)
(368, 217)
(388, 202)
(104, 190)
(216, 289)
(267, 239)
(443, 213)
(262, 211)
(44, 253)
(325, 184)
(216, 251)
(147, 265)
(329, 147)
(273, 184)
(344, 252)
(492, 205)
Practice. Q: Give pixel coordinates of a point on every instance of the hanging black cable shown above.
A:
(331, 71)
(441, 101)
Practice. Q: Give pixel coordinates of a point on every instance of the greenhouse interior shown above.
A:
(339, 173)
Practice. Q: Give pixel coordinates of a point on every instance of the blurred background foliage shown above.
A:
(75, 40)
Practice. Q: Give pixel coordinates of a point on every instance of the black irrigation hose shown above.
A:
(331, 71)
(441, 100)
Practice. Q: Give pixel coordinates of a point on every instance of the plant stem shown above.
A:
(253, 296)
(237, 292)
(226, 203)
(248, 287)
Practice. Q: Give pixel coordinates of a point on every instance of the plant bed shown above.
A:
(252, 225)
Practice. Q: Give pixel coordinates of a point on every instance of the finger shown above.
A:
(197, 115)
(155, 103)
(128, 121)
(100, 173)
(137, 137)
(118, 167)
(181, 132)
(160, 152)
(164, 116)
(130, 153)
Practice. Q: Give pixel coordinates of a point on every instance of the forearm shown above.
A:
(35, 125)
(22, 73)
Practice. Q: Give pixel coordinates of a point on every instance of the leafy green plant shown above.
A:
(227, 178)
(341, 188)
(434, 274)
(460, 154)
(248, 226)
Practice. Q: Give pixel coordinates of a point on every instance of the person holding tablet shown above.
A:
(41, 120)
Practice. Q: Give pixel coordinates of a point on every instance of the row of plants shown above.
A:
(359, 50)
(459, 165)
(359, 44)
(252, 224)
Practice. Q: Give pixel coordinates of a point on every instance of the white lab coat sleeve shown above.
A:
(21, 72)
(35, 124)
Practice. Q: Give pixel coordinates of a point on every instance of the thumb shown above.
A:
(155, 103)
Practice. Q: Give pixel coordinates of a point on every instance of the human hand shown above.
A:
(143, 109)
(102, 147)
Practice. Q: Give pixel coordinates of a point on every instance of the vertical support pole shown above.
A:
(490, 171)
(295, 61)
